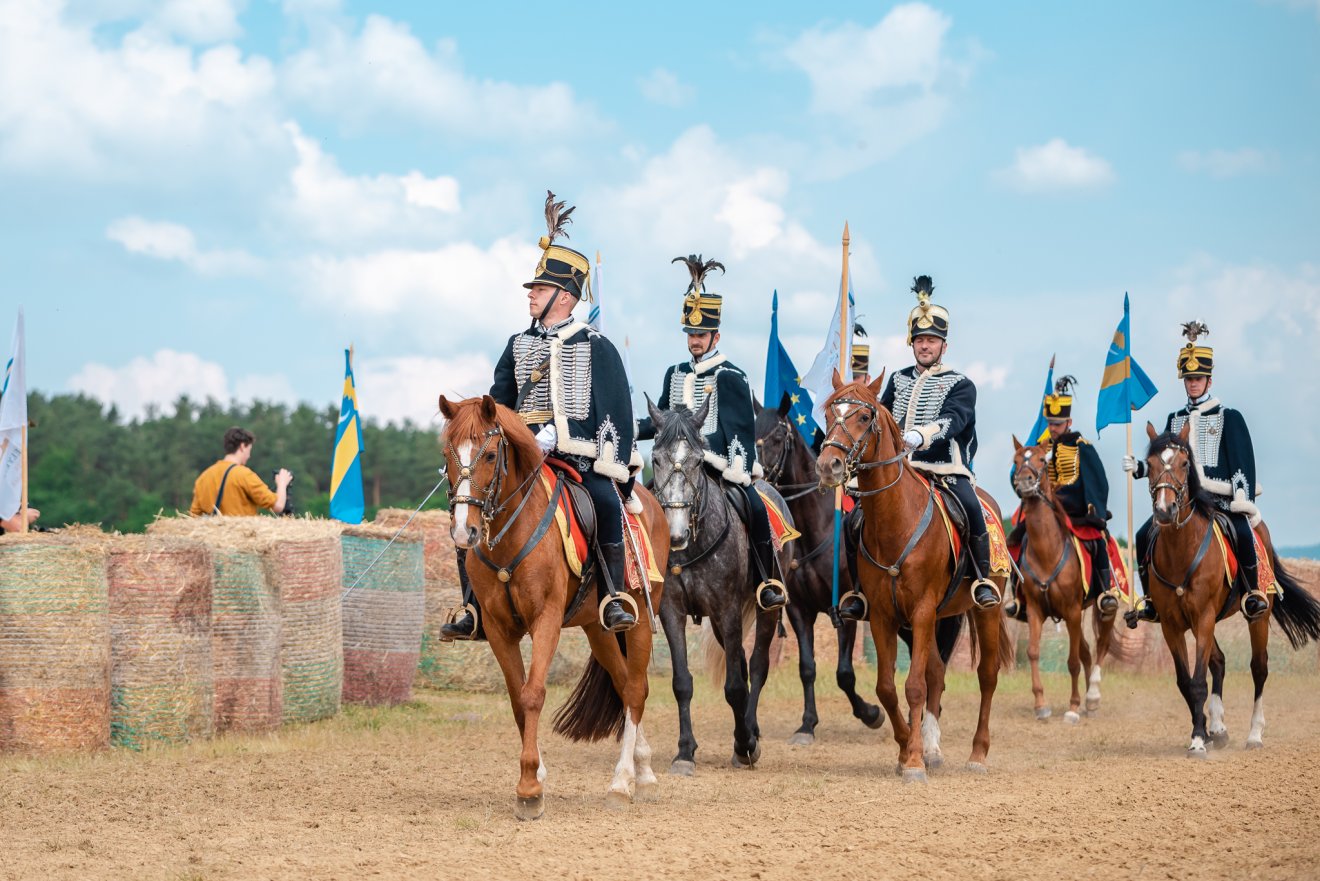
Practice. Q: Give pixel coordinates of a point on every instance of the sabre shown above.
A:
(646, 582)
(363, 574)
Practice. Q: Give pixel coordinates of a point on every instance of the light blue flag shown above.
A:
(1040, 428)
(1125, 387)
(781, 378)
(347, 502)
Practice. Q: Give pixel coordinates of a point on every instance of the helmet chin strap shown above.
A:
(540, 319)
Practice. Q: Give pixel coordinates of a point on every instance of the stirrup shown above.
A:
(453, 617)
(626, 600)
(1112, 593)
(986, 582)
(861, 598)
(771, 582)
(1263, 598)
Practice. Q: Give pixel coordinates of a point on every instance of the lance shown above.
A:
(844, 337)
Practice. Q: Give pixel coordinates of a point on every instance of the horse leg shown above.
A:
(804, 627)
(545, 638)
(635, 693)
(766, 624)
(847, 679)
(930, 722)
(1072, 619)
(914, 689)
(886, 658)
(1260, 671)
(1035, 620)
(1104, 636)
(1205, 643)
(746, 751)
(674, 621)
(1176, 640)
(1214, 725)
(987, 674)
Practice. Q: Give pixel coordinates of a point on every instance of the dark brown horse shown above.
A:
(1053, 583)
(1189, 585)
(905, 566)
(499, 507)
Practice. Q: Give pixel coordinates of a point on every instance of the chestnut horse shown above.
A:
(501, 509)
(1052, 583)
(900, 526)
(1190, 589)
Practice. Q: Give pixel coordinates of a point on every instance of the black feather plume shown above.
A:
(556, 218)
(923, 284)
(1064, 385)
(698, 268)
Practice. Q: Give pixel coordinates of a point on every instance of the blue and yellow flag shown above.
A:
(781, 378)
(1125, 386)
(346, 499)
(1040, 429)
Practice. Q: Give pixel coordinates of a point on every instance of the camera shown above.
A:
(288, 494)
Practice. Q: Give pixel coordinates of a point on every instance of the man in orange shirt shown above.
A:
(230, 487)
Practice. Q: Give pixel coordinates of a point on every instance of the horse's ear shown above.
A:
(700, 416)
(836, 379)
(447, 408)
(756, 405)
(1186, 431)
(1017, 444)
(878, 384)
(488, 408)
(652, 409)
(785, 405)
(1151, 432)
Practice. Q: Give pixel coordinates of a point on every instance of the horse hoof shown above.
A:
(801, 738)
(1255, 744)
(617, 801)
(1042, 713)
(1196, 753)
(647, 792)
(914, 775)
(747, 762)
(898, 769)
(877, 721)
(934, 761)
(1219, 739)
(683, 768)
(977, 768)
(1092, 706)
(1071, 717)
(529, 808)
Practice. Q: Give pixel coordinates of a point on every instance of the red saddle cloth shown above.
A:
(1117, 565)
(576, 546)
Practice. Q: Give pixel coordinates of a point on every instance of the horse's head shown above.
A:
(859, 430)
(776, 441)
(485, 445)
(676, 461)
(1173, 480)
(1031, 473)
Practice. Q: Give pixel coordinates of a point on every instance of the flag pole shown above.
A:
(23, 504)
(838, 490)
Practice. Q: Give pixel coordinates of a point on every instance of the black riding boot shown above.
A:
(614, 614)
(467, 625)
(1145, 610)
(770, 595)
(1254, 603)
(1107, 602)
(984, 592)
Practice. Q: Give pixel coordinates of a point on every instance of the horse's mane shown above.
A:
(1171, 441)
(677, 425)
(469, 424)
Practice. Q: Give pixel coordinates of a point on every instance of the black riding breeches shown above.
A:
(609, 507)
(966, 493)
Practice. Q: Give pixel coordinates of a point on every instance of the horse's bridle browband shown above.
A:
(852, 455)
(1179, 489)
(488, 502)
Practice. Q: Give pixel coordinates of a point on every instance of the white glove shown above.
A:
(547, 437)
(1129, 464)
(913, 439)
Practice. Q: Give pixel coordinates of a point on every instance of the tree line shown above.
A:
(87, 464)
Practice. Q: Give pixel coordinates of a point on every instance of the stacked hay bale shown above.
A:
(245, 620)
(162, 677)
(54, 643)
(306, 566)
(443, 591)
(383, 608)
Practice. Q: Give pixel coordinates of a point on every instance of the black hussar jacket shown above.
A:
(1079, 480)
(1225, 458)
(940, 403)
(583, 391)
(730, 427)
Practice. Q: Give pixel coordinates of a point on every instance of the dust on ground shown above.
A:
(426, 790)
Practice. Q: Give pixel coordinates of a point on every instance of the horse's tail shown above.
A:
(1116, 649)
(1007, 653)
(594, 710)
(712, 653)
(1297, 612)
(947, 631)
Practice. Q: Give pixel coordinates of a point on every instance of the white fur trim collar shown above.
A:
(709, 363)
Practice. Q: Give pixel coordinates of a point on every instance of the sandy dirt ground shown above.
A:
(426, 791)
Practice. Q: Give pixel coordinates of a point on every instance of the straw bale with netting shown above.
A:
(384, 608)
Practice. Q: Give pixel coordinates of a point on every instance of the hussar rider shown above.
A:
(568, 384)
(730, 427)
(935, 407)
(1080, 485)
(1225, 463)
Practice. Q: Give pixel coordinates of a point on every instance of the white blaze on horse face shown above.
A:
(458, 525)
(1165, 493)
(678, 517)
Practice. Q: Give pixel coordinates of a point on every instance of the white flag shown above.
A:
(594, 317)
(13, 419)
(818, 380)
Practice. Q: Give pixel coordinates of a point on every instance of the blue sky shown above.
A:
(214, 197)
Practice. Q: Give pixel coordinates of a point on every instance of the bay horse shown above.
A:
(1053, 583)
(790, 467)
(502, 511)
(711, 575)
(863, 440)
(1189, 586)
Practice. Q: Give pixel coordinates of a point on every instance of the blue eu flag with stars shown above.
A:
(782, 378)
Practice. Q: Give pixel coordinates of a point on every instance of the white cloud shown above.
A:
(1225, 163)
(327, 204)
(987, 376)
(160, 380)
(1056, 166)
(399, 388)
(171, 241)
(384, 71)
(201, 21)
(661, 86)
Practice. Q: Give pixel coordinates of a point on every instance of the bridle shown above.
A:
(773, 474)
(1178, 488)
(852, 454)
(488, 501)
(1036, 474)
(700, 488)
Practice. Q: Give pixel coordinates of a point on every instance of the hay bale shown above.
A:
(54, 643)
(383, 614)
(162, 678)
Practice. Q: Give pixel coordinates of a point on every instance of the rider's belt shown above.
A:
(537, 417)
